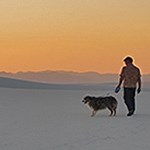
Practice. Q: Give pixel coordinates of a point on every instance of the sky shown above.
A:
(71, 35)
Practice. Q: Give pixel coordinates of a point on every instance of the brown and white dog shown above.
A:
(99, 103)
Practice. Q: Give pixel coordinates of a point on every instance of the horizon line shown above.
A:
(73, 71)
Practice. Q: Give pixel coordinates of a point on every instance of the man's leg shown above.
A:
(132, 94)
(129, 94)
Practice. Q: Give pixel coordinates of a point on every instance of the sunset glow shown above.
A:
(74, 35)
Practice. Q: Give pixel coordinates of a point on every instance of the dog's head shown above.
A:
(86, 99)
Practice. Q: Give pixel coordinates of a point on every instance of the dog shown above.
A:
(99, 103)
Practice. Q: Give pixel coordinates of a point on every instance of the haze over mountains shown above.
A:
(63, 80)
(62, 77)
(66, 77)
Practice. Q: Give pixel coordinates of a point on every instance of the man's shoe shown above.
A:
(130, 113)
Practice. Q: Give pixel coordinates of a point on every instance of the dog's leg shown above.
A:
(115, 112)
(111, 111)
(93, 113)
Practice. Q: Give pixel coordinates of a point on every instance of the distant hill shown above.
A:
(66, 77)
(22, 84)
(62, 77)
(15, 83)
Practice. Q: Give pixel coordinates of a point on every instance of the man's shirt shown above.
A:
(130, 75)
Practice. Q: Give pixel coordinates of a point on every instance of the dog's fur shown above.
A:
(99, 103)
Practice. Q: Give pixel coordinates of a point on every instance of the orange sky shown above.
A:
(73, 35)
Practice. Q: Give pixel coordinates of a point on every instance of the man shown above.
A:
(131, 76)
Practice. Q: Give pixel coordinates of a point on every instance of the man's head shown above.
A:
(128, 60)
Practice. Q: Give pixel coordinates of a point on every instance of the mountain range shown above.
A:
(66, 77)
(62, 80)
(62, 76)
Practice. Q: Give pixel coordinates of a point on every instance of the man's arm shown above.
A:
(120, 81)
(121, 77)
(117, 89)
(139, 82)
(139, 85)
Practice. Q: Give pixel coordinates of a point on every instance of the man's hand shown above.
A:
(138, 90)
(117, 89)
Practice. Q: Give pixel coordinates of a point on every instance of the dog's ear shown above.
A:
(93, 98)
(87, 97)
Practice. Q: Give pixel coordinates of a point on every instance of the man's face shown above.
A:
(127, 62)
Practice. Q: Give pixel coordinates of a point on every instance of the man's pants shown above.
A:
(129, 97)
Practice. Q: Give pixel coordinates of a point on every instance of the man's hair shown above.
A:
(128, 59)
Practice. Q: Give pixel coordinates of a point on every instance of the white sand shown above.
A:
(57, 120)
